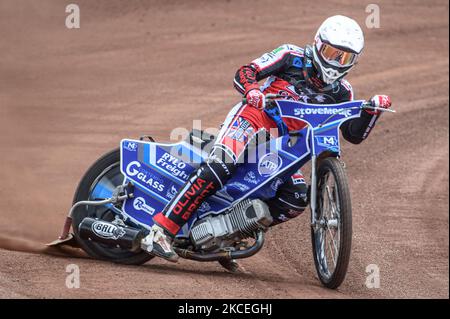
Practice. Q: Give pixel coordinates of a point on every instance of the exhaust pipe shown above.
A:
(229, 255)
(111, 234)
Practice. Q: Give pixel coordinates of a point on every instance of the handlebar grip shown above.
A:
(369, 105)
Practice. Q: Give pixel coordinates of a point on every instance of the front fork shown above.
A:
(313, 201)
(315, 224)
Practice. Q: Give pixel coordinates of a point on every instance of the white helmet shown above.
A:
(337, 45)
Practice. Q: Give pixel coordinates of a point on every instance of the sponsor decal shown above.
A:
(241, 131)
(297, 62)
(265, 59)
(277, 50)
(130, 146)
(269, 164)
(140, 204)
(171, 192)
(301, 195)
(297, 179)
(276, 184)
(294, 213)
(304, 98)
(204, 207)
(224, 194)
(321, 111)
(320, 98)
(240, 186)
(173, 165)
(135, 169)
(251, 178)
(289, 93)
(216, 159)
(193, 198)
(107, 230)
(283, 218)
(326, 141)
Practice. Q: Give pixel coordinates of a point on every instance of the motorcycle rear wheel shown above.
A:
(98, 182)
(332, 238)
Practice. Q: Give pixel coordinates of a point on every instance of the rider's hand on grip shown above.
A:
(380, 101)
(256, 99)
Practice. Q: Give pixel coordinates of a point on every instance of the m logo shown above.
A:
(327, 141)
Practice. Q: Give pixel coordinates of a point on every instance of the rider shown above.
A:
(311, 75)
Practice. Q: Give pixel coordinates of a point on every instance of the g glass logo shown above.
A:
(269, 164)
(135, 169)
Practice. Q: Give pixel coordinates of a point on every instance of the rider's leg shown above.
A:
(209, 178)
(291, 199)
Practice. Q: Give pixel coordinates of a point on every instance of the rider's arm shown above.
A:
(268, 64)
(356, 130)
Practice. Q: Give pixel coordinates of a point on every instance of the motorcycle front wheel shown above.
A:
(332, 234)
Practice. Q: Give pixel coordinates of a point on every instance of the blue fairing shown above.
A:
(159, 170)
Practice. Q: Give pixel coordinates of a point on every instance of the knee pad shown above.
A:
(291, 200)
(219, 166)
(294, 192)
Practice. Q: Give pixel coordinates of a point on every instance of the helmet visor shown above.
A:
(337, 57)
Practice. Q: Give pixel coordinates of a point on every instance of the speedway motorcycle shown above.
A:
(117, 197)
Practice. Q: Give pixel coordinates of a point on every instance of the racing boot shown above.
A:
(159, 244)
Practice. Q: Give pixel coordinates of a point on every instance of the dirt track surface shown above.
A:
(135, 67)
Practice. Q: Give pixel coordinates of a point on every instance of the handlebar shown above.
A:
(366, 105)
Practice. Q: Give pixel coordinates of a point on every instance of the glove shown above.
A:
(256, 99)
(381, 101)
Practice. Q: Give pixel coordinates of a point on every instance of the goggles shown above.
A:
(337, 57)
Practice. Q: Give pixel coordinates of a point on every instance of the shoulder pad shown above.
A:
(277, 55)
(293, 49)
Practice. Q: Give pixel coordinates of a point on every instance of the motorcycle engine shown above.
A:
(240, 222)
